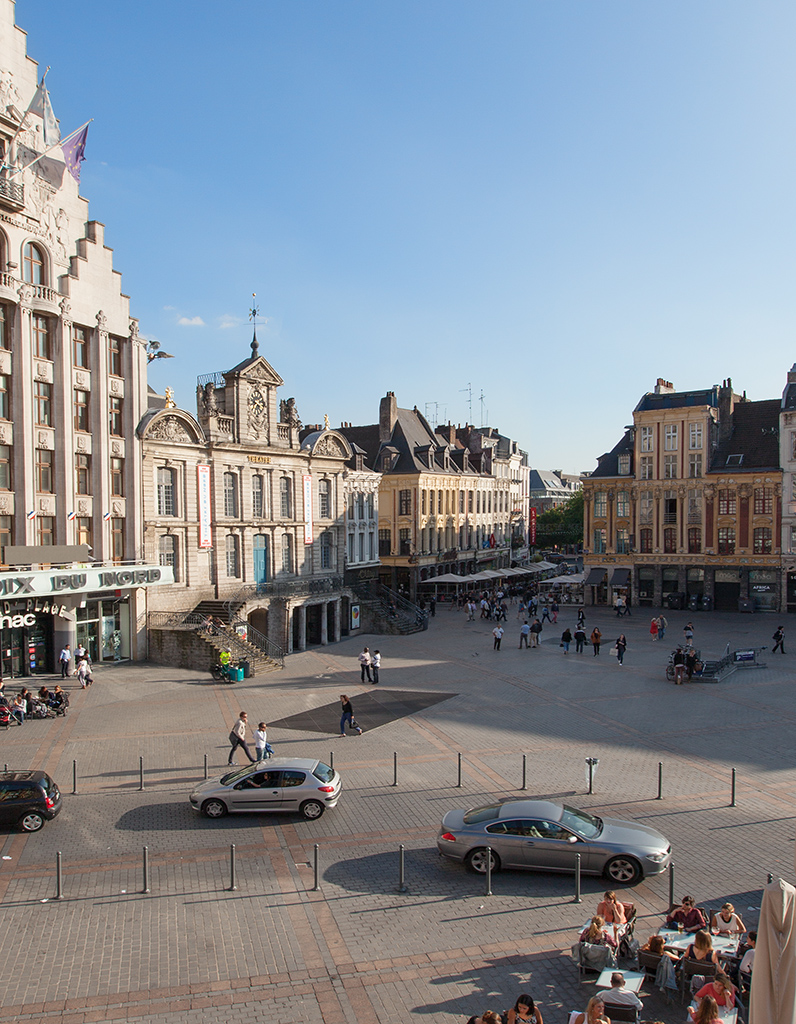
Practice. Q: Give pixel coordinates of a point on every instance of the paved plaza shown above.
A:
(358, 950)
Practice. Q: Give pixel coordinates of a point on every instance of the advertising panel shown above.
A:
(203, 492)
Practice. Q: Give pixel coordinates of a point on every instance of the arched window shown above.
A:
(232, 555)
(167, 552)
(166, 503)
(33, 265)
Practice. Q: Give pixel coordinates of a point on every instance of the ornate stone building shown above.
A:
(686, 510)
(248, 510)
(72, 389)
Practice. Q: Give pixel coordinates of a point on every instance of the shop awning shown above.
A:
(620, 578)
(595, 577)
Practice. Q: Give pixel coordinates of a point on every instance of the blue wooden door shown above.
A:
(260, 555)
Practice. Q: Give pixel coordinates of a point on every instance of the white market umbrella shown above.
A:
(773, 996)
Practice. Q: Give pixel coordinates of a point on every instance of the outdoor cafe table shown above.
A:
(725, 945)
(633, 979)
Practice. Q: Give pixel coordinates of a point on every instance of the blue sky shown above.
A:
(555, 202)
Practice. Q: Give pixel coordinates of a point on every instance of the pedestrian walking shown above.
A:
(580, 639)
(84, 674)
(595, 638)
(779, 637)
(433, 606)
(238, 738)
(520, 610)
(347, 717)
(662, 624)
(554, 610)
(566, 640)
(262, 748)
(581, 618)
(688, 633)
(621, 647)
(619, 605)
(65, 658)
(546, 614)
(536, 629)
(654, 629)
(375, 664)
(497, 633)
(525, 632)
(471, 610)
(364, 665)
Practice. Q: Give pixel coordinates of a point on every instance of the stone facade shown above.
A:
(248, 509)
(72, 380)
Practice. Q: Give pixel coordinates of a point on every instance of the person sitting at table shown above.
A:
(707, 1012)
(618, 994)
(727, 922)
(524, 1011)
(748, 960)
(595, 1013)
(702, 948)
(597, 934)
(656, 944)
(611, 910)
(721, 988)
(688, 915)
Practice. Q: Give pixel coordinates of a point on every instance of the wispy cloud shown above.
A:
(227, 322)
(169, 309)
(191, 321)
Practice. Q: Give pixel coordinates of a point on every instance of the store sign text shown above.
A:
(43, 584)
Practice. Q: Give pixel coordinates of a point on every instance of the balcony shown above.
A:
(12, 193)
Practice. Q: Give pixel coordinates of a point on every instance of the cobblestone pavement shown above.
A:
(358, 950)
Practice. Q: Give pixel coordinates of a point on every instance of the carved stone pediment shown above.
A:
(262, 371)
(169, 428)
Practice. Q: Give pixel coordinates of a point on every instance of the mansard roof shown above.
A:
(608, 464)
(754, 442)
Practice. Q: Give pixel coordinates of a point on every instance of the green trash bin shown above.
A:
(238, 674)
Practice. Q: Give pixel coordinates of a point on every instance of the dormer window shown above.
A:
(624, 465)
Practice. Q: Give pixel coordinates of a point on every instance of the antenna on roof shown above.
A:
(434, 420)
(469, 390)
(481, 400)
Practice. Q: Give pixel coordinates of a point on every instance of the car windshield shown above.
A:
(583, 824)
(232, 777)
(323, 772)
(479, 814)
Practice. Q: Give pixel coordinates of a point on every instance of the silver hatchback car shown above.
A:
(544, 835)
(297, 784)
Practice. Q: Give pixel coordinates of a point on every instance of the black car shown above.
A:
(28, 799)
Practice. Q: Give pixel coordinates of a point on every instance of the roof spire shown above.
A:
(255, 345)
(254, 312)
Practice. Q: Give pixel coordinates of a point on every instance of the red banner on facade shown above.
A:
(532, 531)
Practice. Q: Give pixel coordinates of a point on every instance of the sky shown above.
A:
(548, 203)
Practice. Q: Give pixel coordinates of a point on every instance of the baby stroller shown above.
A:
(6, 718)
(38, 709)
(59, 703)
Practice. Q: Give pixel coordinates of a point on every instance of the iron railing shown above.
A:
(283, 588)
(261, 641)
(12, 191)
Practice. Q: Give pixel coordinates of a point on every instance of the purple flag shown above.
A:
(74, 152)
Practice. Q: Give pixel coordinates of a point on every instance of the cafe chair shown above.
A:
(690, 968)
(622, 1013)
(648, 962)
(592, 957)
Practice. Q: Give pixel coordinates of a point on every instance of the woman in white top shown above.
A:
(727, 922)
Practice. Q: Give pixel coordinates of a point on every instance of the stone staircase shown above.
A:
(390, 612)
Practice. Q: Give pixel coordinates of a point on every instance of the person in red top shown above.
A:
(720, 988)
(690, 917)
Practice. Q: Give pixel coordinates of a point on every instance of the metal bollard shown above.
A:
(145, 887)
(671, 884)
(205, 765)
(59, 881)
(732, 799)
(524, 771)
(577, 879)
(141, 774)
(401, 870)
(5, 767)
(232, 886)
(590, 762)
(488, 871)
(395, 769)
(331, 759)
(459, 782)
(316, 860)
(74, 777)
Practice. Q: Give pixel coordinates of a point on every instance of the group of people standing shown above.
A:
(82, 661)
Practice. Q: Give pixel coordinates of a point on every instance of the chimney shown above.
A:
(388, 416)
(663, 387)
(726, 405)
(792, 374)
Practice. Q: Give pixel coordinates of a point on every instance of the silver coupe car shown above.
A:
(544, 835)
(299, 784)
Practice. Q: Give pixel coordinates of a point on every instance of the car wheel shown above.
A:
(31, 822)
(476, 861)
(214, 808)
(624, 870)
(312, 809)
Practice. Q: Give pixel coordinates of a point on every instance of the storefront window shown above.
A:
(103, 627)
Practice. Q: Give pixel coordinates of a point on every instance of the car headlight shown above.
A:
(656, 857)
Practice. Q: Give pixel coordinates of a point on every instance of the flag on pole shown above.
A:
(74, 152)
(71, 516)
(40, 104)
(106, 516)
(31, 514)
